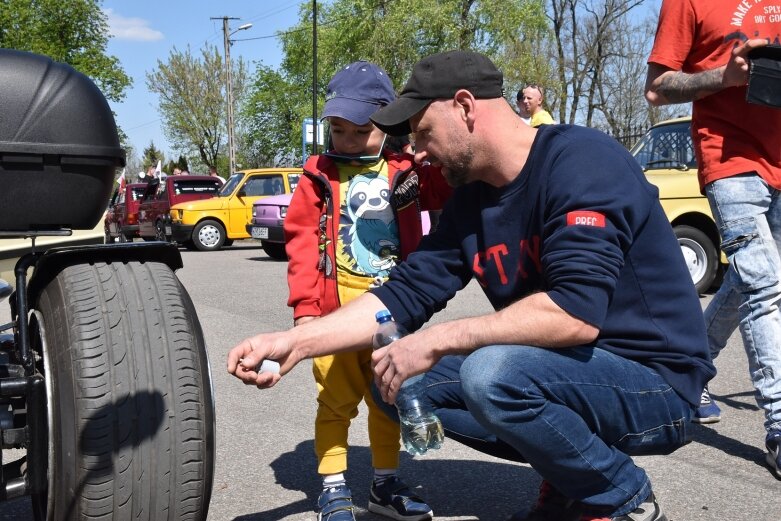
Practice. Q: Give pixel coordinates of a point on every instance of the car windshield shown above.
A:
(666, 146)
(231, 184)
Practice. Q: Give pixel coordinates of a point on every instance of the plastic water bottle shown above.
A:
(421, 429)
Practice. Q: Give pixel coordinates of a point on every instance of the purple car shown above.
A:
(268, 217)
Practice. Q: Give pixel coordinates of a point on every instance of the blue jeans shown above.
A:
(574, 414)
(748, 214)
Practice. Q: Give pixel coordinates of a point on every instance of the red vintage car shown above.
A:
(121, 221)
(154, 220)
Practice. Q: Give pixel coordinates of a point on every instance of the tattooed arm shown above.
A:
(664, 85)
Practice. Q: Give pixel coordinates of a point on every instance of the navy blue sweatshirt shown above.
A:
(581, 223)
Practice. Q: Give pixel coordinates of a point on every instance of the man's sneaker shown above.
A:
(773, 456)
(551, 505)
(335, 504)
(707, 412)
(394, 499)
(649, 510)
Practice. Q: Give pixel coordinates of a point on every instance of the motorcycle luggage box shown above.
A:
(59, 148)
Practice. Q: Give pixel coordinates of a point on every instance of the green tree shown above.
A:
(151, 155)
(192, 103)
(70, 31)
(392, 33)
(592, 62)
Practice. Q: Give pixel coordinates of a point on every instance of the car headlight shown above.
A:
(254, 211)
(282, 211)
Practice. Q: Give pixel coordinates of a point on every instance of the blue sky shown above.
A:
(145, 31)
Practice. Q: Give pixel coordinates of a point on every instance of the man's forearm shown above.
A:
(534, 320)
(680, 87)
(348, 328)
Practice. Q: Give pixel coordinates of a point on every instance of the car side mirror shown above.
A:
(242, 192)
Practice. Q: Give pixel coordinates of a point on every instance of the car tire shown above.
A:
(208, 235)
(700, 254)
(130, 402)
(160, 231)
(275, 250)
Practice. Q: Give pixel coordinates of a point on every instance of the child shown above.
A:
(354, 214)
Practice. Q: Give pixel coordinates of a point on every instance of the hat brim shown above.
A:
(354, 111)
(393, 119)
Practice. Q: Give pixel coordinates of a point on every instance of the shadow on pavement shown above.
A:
(712, 438)
(263, 259)
(453, 488)
(730, 401)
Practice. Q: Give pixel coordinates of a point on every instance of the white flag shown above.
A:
(121, 180)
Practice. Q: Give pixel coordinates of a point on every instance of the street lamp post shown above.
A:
(229, 87)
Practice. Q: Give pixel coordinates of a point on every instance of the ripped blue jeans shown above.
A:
(574, 414)
(748, 214)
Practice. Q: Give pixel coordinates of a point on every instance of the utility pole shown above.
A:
(315, 123)
(229, 86)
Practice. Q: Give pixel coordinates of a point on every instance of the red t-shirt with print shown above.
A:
(731, 135)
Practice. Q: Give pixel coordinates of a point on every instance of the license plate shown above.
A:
(168, 230)
(259, 232)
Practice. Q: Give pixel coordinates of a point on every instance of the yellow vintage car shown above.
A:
(210, 224)
(666, 153)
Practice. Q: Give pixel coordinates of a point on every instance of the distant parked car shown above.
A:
(154, 212)
(666, 153)
(121, 221)
(209, 224)
(268, 219)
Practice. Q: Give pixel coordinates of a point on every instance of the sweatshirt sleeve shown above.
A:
(432, 275)
(301, 228)
(596, 198)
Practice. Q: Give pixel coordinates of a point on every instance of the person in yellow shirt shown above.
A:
(532, 102)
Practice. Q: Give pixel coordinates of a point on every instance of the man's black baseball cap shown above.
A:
(439, 76)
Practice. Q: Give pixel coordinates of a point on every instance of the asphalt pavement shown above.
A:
(265, 464)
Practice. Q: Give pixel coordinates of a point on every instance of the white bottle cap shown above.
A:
(268, 366)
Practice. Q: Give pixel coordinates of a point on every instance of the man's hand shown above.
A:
(409, 356)
(244, 359)
(737, 69)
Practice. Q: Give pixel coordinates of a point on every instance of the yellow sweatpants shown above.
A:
(343, 380)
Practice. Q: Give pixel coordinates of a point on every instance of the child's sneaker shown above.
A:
(707, 412)
(335, 504)
(773, 456)
(394, 499)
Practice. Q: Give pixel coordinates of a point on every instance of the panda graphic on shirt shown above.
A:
(368, 232)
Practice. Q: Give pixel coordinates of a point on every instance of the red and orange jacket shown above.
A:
(312, 223)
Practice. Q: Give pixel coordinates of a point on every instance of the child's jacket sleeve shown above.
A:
(302, 237)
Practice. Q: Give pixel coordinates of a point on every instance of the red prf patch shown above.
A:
(585, 218)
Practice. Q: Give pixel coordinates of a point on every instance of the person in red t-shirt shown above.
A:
(701, 55)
